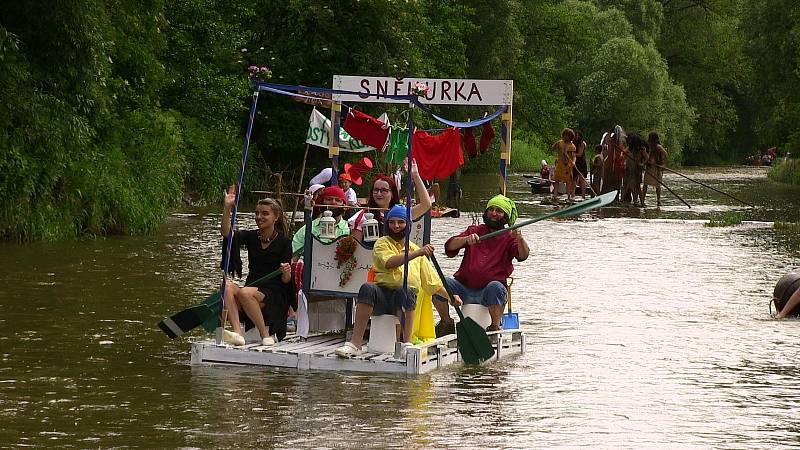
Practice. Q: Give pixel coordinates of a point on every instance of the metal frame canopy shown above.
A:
(444, 91)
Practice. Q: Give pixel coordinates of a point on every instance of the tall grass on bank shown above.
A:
(725, 219)
(786, 172)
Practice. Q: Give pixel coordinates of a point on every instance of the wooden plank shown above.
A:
(317, 354)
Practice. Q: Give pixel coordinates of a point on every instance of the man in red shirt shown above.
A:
(481, 278)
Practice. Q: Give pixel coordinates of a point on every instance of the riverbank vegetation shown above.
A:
(725, 219)
(113, 112)
(786, 172)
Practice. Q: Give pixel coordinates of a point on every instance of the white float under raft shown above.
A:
(317, 353)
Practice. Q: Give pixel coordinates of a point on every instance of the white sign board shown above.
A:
(441, 91)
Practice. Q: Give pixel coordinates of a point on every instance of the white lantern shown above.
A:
(327, 226)
(371, 228)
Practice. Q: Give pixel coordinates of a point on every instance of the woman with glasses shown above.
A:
(384, 195)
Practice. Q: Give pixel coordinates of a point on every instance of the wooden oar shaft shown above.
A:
(577, 208)
(705, 185)
(630, 157)
(446, 286)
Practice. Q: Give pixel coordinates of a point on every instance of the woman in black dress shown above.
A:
(268, 249)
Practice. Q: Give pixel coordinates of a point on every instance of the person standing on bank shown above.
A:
(580, 171)
(482, 276)
(565, 162)
(654, 174)
(268, 249)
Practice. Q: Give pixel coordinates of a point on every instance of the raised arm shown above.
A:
(228, 200)
(794, 300)
(424, 204)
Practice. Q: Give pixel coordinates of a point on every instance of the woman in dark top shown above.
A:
(580, 171)
(268, 249)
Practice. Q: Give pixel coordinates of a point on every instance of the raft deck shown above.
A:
(317, 353)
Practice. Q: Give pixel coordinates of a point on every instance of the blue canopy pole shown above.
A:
(409, 196)
(226, 264)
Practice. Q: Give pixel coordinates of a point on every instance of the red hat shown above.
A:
(356, 170)
(345, 176)
(334, 191)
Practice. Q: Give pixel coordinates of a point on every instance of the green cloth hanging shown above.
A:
(398, 145)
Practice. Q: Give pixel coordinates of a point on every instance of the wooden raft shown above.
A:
(317, 353)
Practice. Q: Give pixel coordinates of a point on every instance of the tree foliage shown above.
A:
(112, 112)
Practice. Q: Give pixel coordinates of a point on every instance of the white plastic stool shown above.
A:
(478, 313)
(383, 333)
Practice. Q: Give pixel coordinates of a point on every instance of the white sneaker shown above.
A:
(268, 341)
(235, 339)
(347, 350)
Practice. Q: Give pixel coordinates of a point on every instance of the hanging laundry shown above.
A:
(398, 145)
(366, 128)
(437, 156)
(487, 135)
(469, 143)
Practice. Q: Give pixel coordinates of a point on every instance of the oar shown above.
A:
(667, 188)
(705, 185)
(578, 208)
(628, 155)
(201, 314)
(473, 342)
(205, 313)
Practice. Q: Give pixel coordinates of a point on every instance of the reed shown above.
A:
(725, 219)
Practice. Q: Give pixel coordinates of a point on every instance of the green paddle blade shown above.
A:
(192, 317)
(473, 342)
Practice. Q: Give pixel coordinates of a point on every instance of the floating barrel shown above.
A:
(784, 289)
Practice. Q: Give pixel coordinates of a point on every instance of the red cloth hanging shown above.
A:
(437, 156)
(365, 128)
(487, 135)
(469, 143)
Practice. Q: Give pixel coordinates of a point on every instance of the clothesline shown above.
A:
(293, 91)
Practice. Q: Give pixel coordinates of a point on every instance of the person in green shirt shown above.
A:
(335, 198)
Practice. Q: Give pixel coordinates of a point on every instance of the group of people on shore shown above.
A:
(481, 277)
(625, 163)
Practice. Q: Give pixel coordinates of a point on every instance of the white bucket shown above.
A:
(561, 187)
(478, 313)
(382, 333)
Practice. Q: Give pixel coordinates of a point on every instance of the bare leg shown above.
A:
(363, 313)
(409, 325)
(658, 195)
(496, 311)
(232, 306)
(443, 308)
(251, 301)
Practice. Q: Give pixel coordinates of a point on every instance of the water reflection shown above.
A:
(646, 329)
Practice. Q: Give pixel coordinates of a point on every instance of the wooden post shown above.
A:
(300, 186)
(505, 150)
(333, 138)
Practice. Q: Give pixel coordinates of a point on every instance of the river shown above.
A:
(645, 328)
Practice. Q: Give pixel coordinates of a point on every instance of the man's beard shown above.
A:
(338, 211)
(492, 223)
(397, 236)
